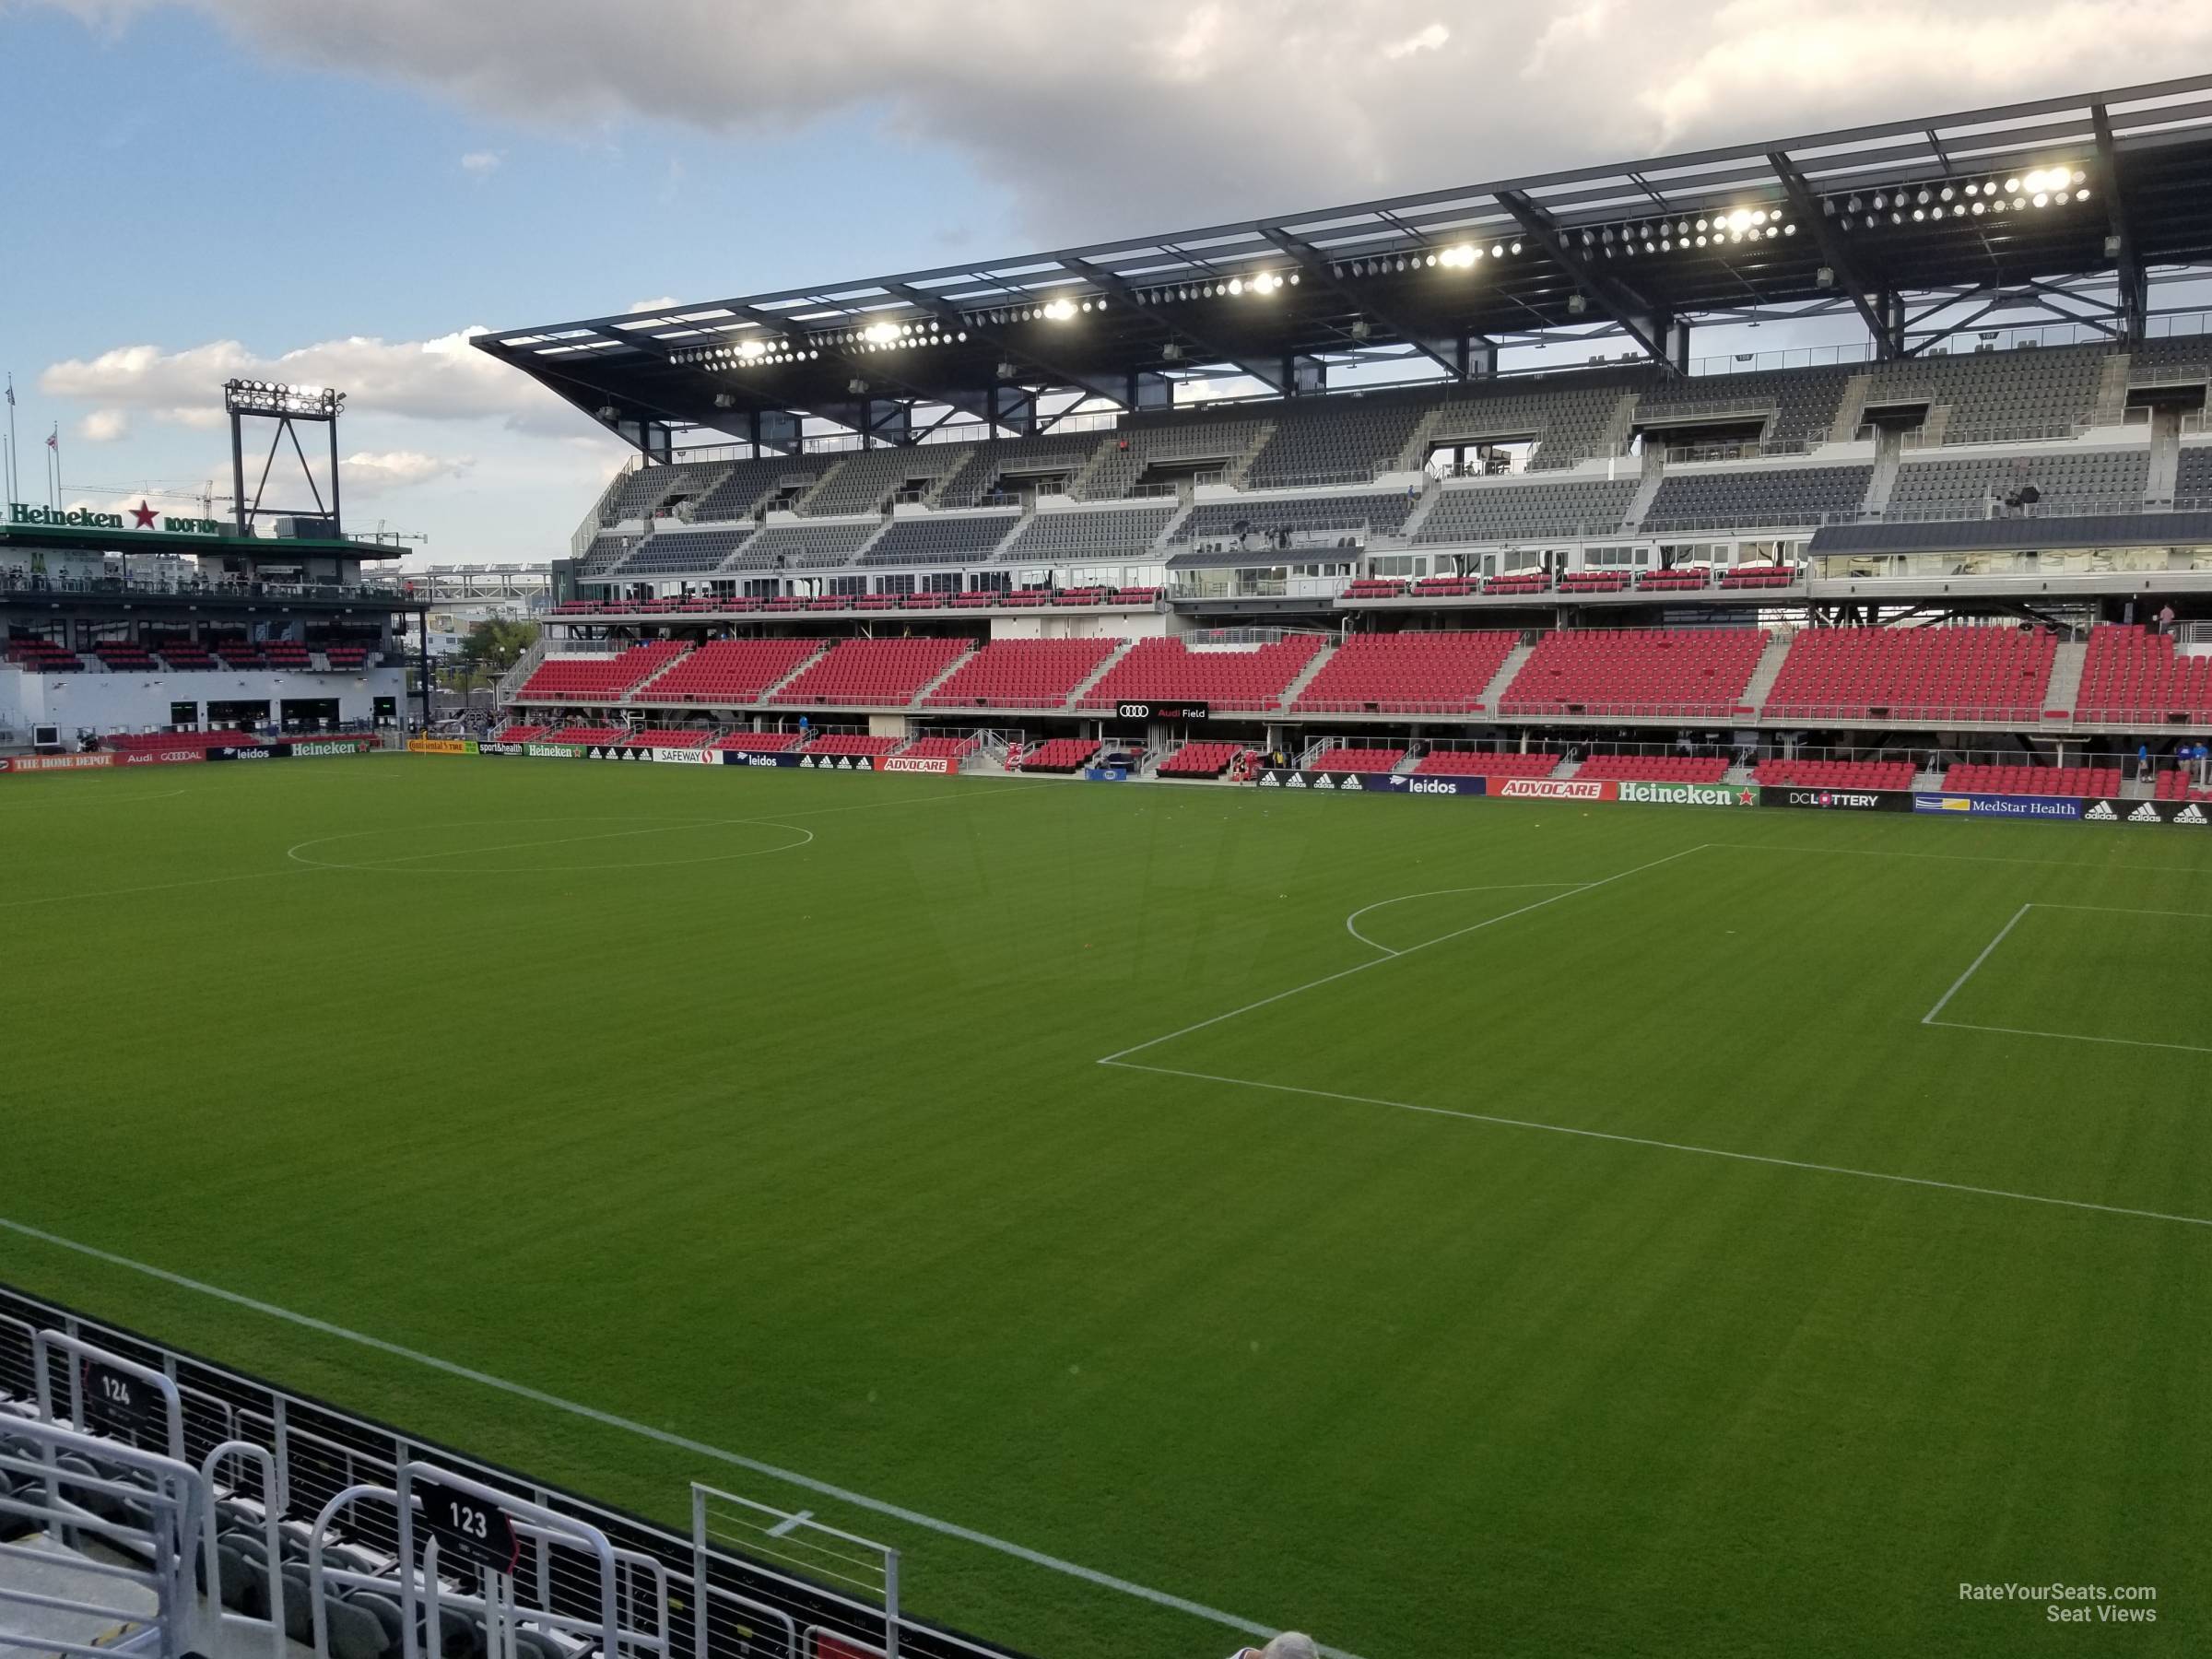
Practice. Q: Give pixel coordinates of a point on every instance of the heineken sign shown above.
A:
(24, 517)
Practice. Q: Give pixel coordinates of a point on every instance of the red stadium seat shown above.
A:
(1995, 673)
(1407, 674)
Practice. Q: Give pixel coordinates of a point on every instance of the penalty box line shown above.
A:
(1396, 956)
(539, 1396)
(1668, 1146)
(1934, 1016)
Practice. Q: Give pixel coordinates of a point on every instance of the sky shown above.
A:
(339, 193)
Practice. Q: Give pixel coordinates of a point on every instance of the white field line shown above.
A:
(2061, 864)
(159, 887)
(1961, 1025)
(665, 1437)
(1974, 967)
(2117, 910)
(1509, 887)
(1667, 1145)
(93, 797)
(1457, 933)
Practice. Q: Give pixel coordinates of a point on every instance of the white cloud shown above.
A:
(1101, 120)
(1430, 39)
(372, 473)
(481, 164)
(443, 379)
(104, 426)
(665, 302)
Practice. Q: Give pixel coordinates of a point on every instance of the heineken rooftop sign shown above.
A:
(23, 517)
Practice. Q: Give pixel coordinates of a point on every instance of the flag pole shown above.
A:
(53, 466)
(11, 438)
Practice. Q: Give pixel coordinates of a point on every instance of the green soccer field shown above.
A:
(1504, 1229)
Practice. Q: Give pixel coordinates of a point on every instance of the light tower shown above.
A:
(284, 406)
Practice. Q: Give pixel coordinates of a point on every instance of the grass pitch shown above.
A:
(1626, 1268)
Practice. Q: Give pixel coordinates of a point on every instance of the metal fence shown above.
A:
(674, 1593)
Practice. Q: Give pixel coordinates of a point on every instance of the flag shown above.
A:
(53, 438)
(11, 391)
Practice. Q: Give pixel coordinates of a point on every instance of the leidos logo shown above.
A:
(1430, 787)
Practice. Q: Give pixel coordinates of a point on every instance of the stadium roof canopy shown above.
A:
(2065, 209)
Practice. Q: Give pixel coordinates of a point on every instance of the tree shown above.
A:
(496, 645)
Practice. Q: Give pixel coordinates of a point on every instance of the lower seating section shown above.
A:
(516, 731)
(43, 656)
(1203, 759)
(346, 656)
(758, 743)
(598, 679)
(2081, 781)
(1697, 673)
(137, 742)
(1407, 673)
(2132, 674)
(241, 653)
(1227, 677)
(728, 672)
(1654, 769)
(2174, 786)
(1835, 775)
(939, 748)
(1475, 763)
(122, 656)
(1058, 755)
(670, 737)
(882, 673)
(1022, 674)
(1908, 673)
(288, 655)
(852, 744)
(1349, 758)
(588, 734)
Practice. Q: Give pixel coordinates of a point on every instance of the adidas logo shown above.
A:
(2191, 814)
(1351, 783)
(2144, 814)
(861, 765)
(1323, 784)
(843, 763)
(807, 761)
(2101, 813)
(1269, 781)
(1297, 781)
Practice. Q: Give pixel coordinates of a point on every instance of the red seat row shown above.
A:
(1654, 769)
(1056, 755)
(1835, 775)
(1022, 674)
(728, 672)
(1473, 764)
(1695, 672)
(1349, 758)
(1438, 673)
(852, 743)
(1204, 760)
(1911, 673)
(2132, 675)
(599, 678)
(1223, 676)
(863, 672)
(2080, 780)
